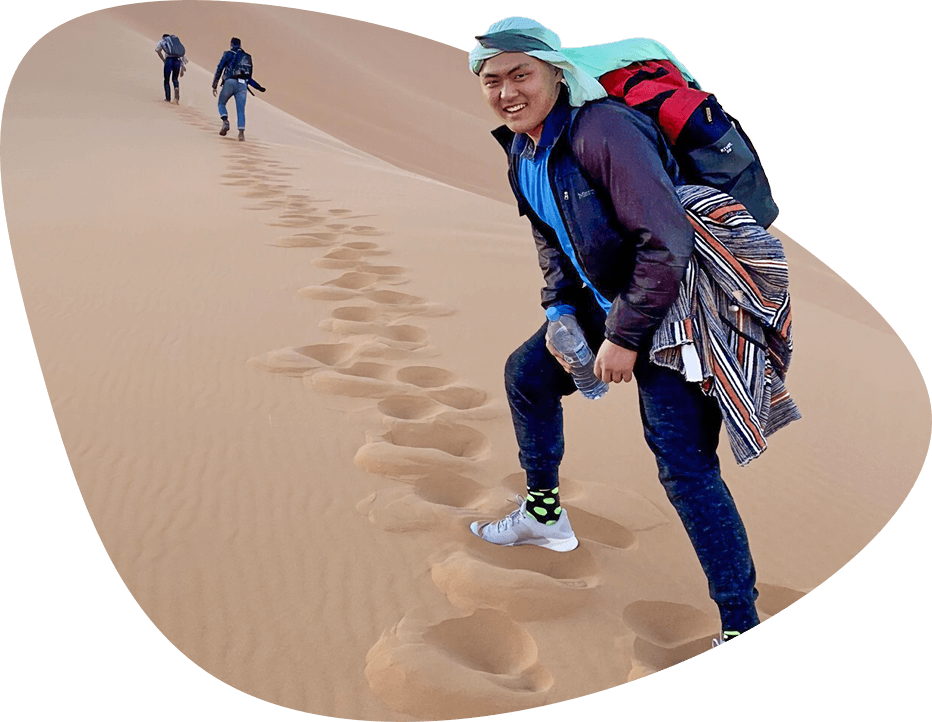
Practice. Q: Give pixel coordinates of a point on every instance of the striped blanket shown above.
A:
(730, 326)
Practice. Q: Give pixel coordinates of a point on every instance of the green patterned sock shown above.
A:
(544, 505)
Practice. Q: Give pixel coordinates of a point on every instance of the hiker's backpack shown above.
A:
(709, 145)
(241, 65)
(175, 48)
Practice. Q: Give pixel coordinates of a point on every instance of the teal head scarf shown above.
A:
(581, 66)
(522, 35)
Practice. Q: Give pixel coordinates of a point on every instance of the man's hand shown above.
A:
(215, 91)
(558, 356)
(614, 363)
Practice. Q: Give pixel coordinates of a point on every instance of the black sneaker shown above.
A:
(225, 128)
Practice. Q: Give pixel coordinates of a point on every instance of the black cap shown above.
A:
(235, 41)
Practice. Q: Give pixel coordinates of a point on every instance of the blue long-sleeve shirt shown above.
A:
(535, 184)
(613, 178)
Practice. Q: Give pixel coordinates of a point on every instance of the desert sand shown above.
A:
(276, 368)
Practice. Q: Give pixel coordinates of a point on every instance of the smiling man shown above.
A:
(598, 183)
(522, 90)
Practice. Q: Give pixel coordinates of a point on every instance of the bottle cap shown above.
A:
(554, 312)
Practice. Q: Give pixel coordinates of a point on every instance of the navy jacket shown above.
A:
(225, 66)
(613, 176)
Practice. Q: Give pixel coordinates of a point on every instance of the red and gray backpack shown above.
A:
(709, 145)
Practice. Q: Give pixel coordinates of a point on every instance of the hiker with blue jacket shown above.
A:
(171, 53)
(235, 71)
(605, 199)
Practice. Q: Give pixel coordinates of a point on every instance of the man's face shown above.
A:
(521, 90)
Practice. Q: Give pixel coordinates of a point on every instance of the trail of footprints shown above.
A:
(484, 661)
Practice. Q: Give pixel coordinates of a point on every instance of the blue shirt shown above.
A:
(535, 185)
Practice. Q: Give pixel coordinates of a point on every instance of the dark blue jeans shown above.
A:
(681, 425)
(172, 68)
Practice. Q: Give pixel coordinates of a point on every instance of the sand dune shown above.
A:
(276, 368)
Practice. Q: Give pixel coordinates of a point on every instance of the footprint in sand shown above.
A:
(305, 221)
(363, 380)
(365, 248)
(374, 313)
(411, 449)
(355, 313)
(666, 633)
(366, 379)
(391, 274)
(383, 270)
(403, 304)
(426, 377)
(262, 194)
(384, 313)
(410, 407)
(375, 349)
(297, 361)
(343, 253)
(261, 206)
(439, 385)
(481, 664)
(438, 403)
(340, 263)
(301, 360)
(296, 214)
(356, 230)
(466, 403)
(306, 240)
(424, 503)
(346, 286)
(515, 579)
(404, 336)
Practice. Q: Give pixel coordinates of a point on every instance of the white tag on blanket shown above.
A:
(691, 362)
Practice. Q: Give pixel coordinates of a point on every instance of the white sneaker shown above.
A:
(724, 637)
(518, 528)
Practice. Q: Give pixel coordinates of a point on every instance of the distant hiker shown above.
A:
(235, 70)
(171, 53)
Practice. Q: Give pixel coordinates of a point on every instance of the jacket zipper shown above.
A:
(566, 197)
(516, 188)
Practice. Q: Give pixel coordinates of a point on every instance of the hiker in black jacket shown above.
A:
(235, 70)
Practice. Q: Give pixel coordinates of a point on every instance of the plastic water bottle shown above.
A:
(568, 339)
